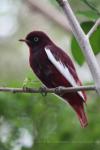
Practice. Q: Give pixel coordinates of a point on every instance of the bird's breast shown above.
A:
(41, 67)
(46, 71)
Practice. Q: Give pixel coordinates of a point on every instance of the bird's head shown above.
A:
(36, 40)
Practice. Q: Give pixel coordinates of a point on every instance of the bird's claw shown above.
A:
(43, 91)
(26, 88)
(58, 90)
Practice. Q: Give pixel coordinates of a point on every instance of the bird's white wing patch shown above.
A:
(62, 69)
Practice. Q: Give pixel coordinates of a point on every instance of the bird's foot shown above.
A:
(26, 88)
(43, 91)
(58, 90)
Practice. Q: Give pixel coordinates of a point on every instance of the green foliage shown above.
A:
(91, 15)
(52, 123)
(93, 5)
(94, 40)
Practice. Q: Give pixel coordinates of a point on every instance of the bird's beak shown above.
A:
(23, 40)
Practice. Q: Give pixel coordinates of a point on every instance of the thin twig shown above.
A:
(92, 7)
(94, 28)
(59, 90)
(83, 41)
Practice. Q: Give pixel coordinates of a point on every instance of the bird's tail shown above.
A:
(81, 115)
(78, 106)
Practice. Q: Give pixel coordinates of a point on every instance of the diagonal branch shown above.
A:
(59, 90)
(83, 41)
(94, 28)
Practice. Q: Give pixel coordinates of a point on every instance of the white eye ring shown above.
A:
(36, 39)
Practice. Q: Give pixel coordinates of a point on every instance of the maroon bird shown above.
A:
(55, 68)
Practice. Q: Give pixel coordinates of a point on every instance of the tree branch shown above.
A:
(83, 41)
(94, 28)
(59, 90)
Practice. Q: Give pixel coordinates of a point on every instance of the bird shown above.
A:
(54, 68)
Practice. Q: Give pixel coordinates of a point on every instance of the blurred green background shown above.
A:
(33, 121)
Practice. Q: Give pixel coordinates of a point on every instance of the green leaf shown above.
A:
(89, 14)
(94, 40)
(76, 52)
(93, 5)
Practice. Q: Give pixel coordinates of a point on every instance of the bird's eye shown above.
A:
(36, 39)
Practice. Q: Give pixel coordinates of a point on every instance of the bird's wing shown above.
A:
(64, 65)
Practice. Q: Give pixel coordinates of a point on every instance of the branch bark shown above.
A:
(59, 90)
(83, 41)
